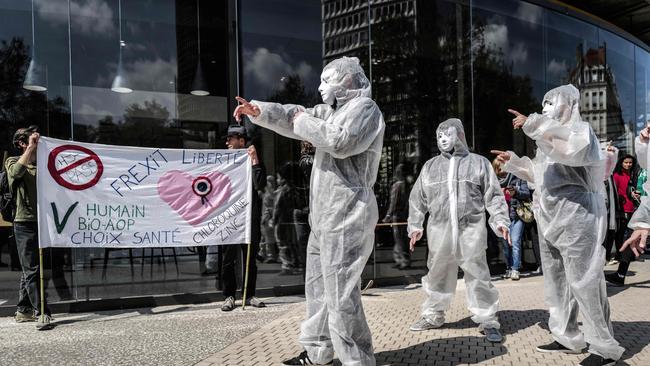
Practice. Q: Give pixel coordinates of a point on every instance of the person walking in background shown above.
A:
(614, 211)
(516, 192)
(301, 214)
(625, 177)
(627, 255)
(268, 248)
(286, 200)
(398, 212)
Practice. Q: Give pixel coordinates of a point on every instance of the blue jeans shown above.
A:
(513, 255)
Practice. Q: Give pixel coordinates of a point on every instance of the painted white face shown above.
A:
(550, 109)
(447, 139)
(326, 90)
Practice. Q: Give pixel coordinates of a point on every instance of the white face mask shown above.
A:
(550, 109)
(447, 139)
(327, 91)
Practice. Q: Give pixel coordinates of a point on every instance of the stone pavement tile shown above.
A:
(523, 318)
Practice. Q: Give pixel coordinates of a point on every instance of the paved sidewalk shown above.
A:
(523, 317)
(204, 335)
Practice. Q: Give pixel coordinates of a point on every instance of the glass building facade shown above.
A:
(428, 60)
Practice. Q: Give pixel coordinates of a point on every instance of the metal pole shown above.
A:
(248, 259)
(40, 270)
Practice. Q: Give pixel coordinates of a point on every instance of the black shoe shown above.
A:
(595, 360)
(302, 359)
(614, 279)
(556, 347)
(286, 272)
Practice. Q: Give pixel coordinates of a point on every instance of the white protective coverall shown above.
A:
(343, 209)
(568, 172)
(456, 188)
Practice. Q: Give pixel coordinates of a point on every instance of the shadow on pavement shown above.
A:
(511, 321)
(634, 336)
(613, 289)
(455, 351)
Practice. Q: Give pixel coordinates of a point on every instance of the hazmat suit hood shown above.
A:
(566, 104)
(346, 76)
(460, 147)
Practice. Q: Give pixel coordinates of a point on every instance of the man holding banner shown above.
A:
(236, 139)
(21, 173)
(347, 132)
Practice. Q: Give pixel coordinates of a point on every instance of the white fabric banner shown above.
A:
(92, 195)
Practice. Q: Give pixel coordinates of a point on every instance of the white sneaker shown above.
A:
(425, 324)
(514, 275)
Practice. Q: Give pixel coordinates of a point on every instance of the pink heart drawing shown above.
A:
(194, 198)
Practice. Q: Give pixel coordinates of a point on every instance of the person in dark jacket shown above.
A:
(614, 213)
(287, 200)
(398, 212)
(236, 139)
(301, 215)
(626, 176)
(516, 193)
(269, 248)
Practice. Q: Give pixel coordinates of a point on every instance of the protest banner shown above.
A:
(92, 195)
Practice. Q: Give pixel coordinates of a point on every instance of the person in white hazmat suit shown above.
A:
(568, 173)
(456, 187)
(640, 221)
(347, 132)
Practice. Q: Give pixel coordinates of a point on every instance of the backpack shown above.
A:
(7, 201)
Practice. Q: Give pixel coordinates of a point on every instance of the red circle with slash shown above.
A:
(57, 174)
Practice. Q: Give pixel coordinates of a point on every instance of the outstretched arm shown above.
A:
(274, 116)
(347, 134)
(521, 167)
(572, 144)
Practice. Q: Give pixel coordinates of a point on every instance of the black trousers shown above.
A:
(29, 295)
(622, 234)
(229, 277)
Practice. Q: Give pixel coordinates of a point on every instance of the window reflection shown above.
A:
(281, 60)
(428, 61)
